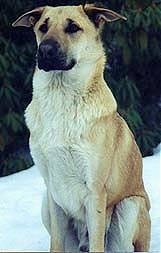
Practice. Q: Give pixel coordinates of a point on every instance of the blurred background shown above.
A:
(133, 72)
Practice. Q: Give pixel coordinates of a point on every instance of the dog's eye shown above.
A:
(72, 28)
(43, 28)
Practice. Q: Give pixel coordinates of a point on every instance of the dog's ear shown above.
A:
(100, 15)
(30, 18)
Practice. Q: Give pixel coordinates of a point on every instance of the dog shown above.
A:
(85, 152)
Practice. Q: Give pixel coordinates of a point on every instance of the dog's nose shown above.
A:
(48, 49)
(51, 56)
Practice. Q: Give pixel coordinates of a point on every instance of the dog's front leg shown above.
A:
(58, 226)
(96, 220)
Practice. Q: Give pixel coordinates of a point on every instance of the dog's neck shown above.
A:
(81, 78)
(83, 83)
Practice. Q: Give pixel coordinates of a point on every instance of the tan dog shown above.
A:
(85, 151)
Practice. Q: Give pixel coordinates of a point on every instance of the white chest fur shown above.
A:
(58, 119)
(67, 176)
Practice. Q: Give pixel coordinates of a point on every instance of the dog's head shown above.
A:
(66, 35)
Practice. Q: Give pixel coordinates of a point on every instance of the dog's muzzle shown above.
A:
(51, 57)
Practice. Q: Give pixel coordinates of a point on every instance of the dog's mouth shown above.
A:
(55, 65)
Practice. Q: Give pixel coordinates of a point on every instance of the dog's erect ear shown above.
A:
(30, 18)
(101, 15)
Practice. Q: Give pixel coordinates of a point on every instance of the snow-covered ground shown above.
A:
(21, 228)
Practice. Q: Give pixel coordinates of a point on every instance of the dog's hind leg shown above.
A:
(129, 231)
(142, 237)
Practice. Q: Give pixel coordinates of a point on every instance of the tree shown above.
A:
(16, 56)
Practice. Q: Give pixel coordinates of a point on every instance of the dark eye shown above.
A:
(43, 28)
(72, 28)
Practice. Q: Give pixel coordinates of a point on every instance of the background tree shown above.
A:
(132, 72)
(16, 57)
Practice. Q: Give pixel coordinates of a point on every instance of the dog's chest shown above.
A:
(59, 117)
(67, 174)
(56, 128)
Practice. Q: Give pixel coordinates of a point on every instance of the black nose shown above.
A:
(51, 56)
(45, 51)
(49, 49)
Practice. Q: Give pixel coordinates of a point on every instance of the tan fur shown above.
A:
(85, 151)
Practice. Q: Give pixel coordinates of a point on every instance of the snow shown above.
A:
(21, 228)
